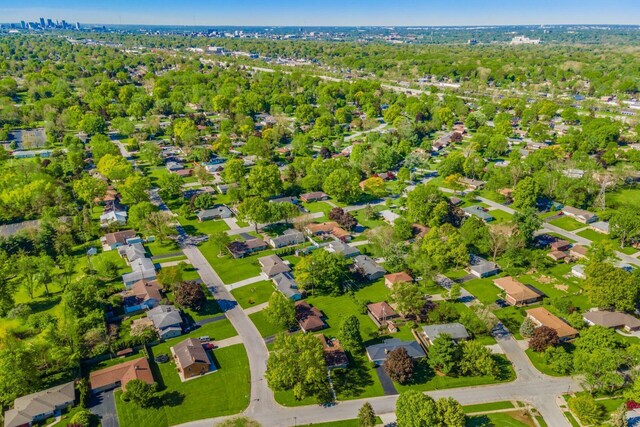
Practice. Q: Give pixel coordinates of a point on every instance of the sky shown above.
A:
(326, 12)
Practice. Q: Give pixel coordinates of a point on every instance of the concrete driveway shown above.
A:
(104, 405)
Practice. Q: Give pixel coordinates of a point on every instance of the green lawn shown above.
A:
(500, 215)
(194, 227)
(625, 197)
(538, 361)
(265, 327)
(426, 379)
(486, 407)
(502, 419)
(224, 392)
(595, 236)
(512, 318)
(343, 423)
(366, 222)
(484, 290)
(567, 223)
(314, 207)
(218, 330)
(232, 270)
(157, 248)
(253, 294)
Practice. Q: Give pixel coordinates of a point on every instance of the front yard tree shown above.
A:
(408, 297)
(344, 219)
(170, 185)
(88, 189)
(422, 203)
(477, 360)
(322, 271)
(190, 295)
(255, 210)
(151, 153)
(586, 409)
(527, 327)
(625, 224)
(444, 354)
(139, 392)
(416, 409)
(542, 338)
(343, 185)
(399, 365)
(134, 189)
(366, 416)
(526, 193)
(160, 224)
(297, 363)
(265, 181)
(219, 241)
(451, 412)
(281, 311)
(349, 334)
(526, 222)
(611, 287)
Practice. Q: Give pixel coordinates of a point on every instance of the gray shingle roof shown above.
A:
(378, 352)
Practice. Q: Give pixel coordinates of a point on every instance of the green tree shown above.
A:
(350, 336)
(281, 311)
(477, 360)
(114, 167)
(416, 409)
(586, 409)
(139, 213)
(526, 193)
(170, 185)
(322, 272)
(134, 189)
(151, 153)
(88, 189)
(265, 181)
(366, 416)
(139, 392)
(234, 171)
(625, 224)
(611, 287)
(444, 354)
(408, 298)
(451, 412)
(342, 184)
(422, 205)
(297, 363)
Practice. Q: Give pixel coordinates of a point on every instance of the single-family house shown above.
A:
(557, 255)
(377, 353)
(113, 217)
(580, 215)
(578, 251)
(368, 268)
(216, 212)
(542, 317)
(326, 229)
(517, 293)
(288, 238)
(393, 278)
(473, 184)
(41, 405)
(286, 284)
(612, 319)
(285, 199)
(224, 188)
(578, 271)
(142, 269)
(174, 166)
(167, 320)
(456, 331)
(120, 375)
(314, 196)
(132, 251)
(600, 227)
(112, 241)
(479, 212)
(272, 265)
(560, 245)
(310, 319)
(481, 268)
(241, 249)
(339, 247)
(334, 355)
(143, 295)
(381, 313)
(191, 358)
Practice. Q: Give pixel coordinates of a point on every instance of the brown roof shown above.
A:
(381, 310)
(515, 289)
(401, 277)
(144, 290)
(557, 255)
(327, 227)
(545, 318)
(309, 318)
(188, 352)
(612, 319)
(580, 250)
(119, 237)
(122, 373)
(559, 244)
(334, 354)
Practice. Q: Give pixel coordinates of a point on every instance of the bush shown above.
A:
(190, 295)
(20, 311)
(82, 418)
(586, 409)
(543, 337)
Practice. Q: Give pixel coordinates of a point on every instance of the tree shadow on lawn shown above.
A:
(352, 382)
(169, 398)
(479, 421)
(191, 230)
(45, 303)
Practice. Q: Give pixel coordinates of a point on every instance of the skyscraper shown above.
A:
(23, 25)
(42, 22)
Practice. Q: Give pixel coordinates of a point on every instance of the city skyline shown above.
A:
(329, 13)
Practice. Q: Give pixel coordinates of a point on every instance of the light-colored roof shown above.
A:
(272, 265)
(515, 289)
(612, 319)
(123, 373)
(456, 331)
(190, 351)
(26, 408)
(146, 290)
(367, 266)
(165, 316)
(545, 318)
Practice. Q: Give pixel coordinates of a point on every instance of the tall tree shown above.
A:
(281, 311)
(350, 336)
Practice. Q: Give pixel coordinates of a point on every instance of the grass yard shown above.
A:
(501, 419)
(486, 407)
(253, 294)
(194, 227)
(500, 215)
(233, 270)
(263, 324)
(484, 290)
(512, 318)
(625, 197)
(538, 362)
(426, 379)
(343, 423)
(224, 392)
(314, 207)
(361, 216)
(157, 248)
(567, 223)
(595, 236)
